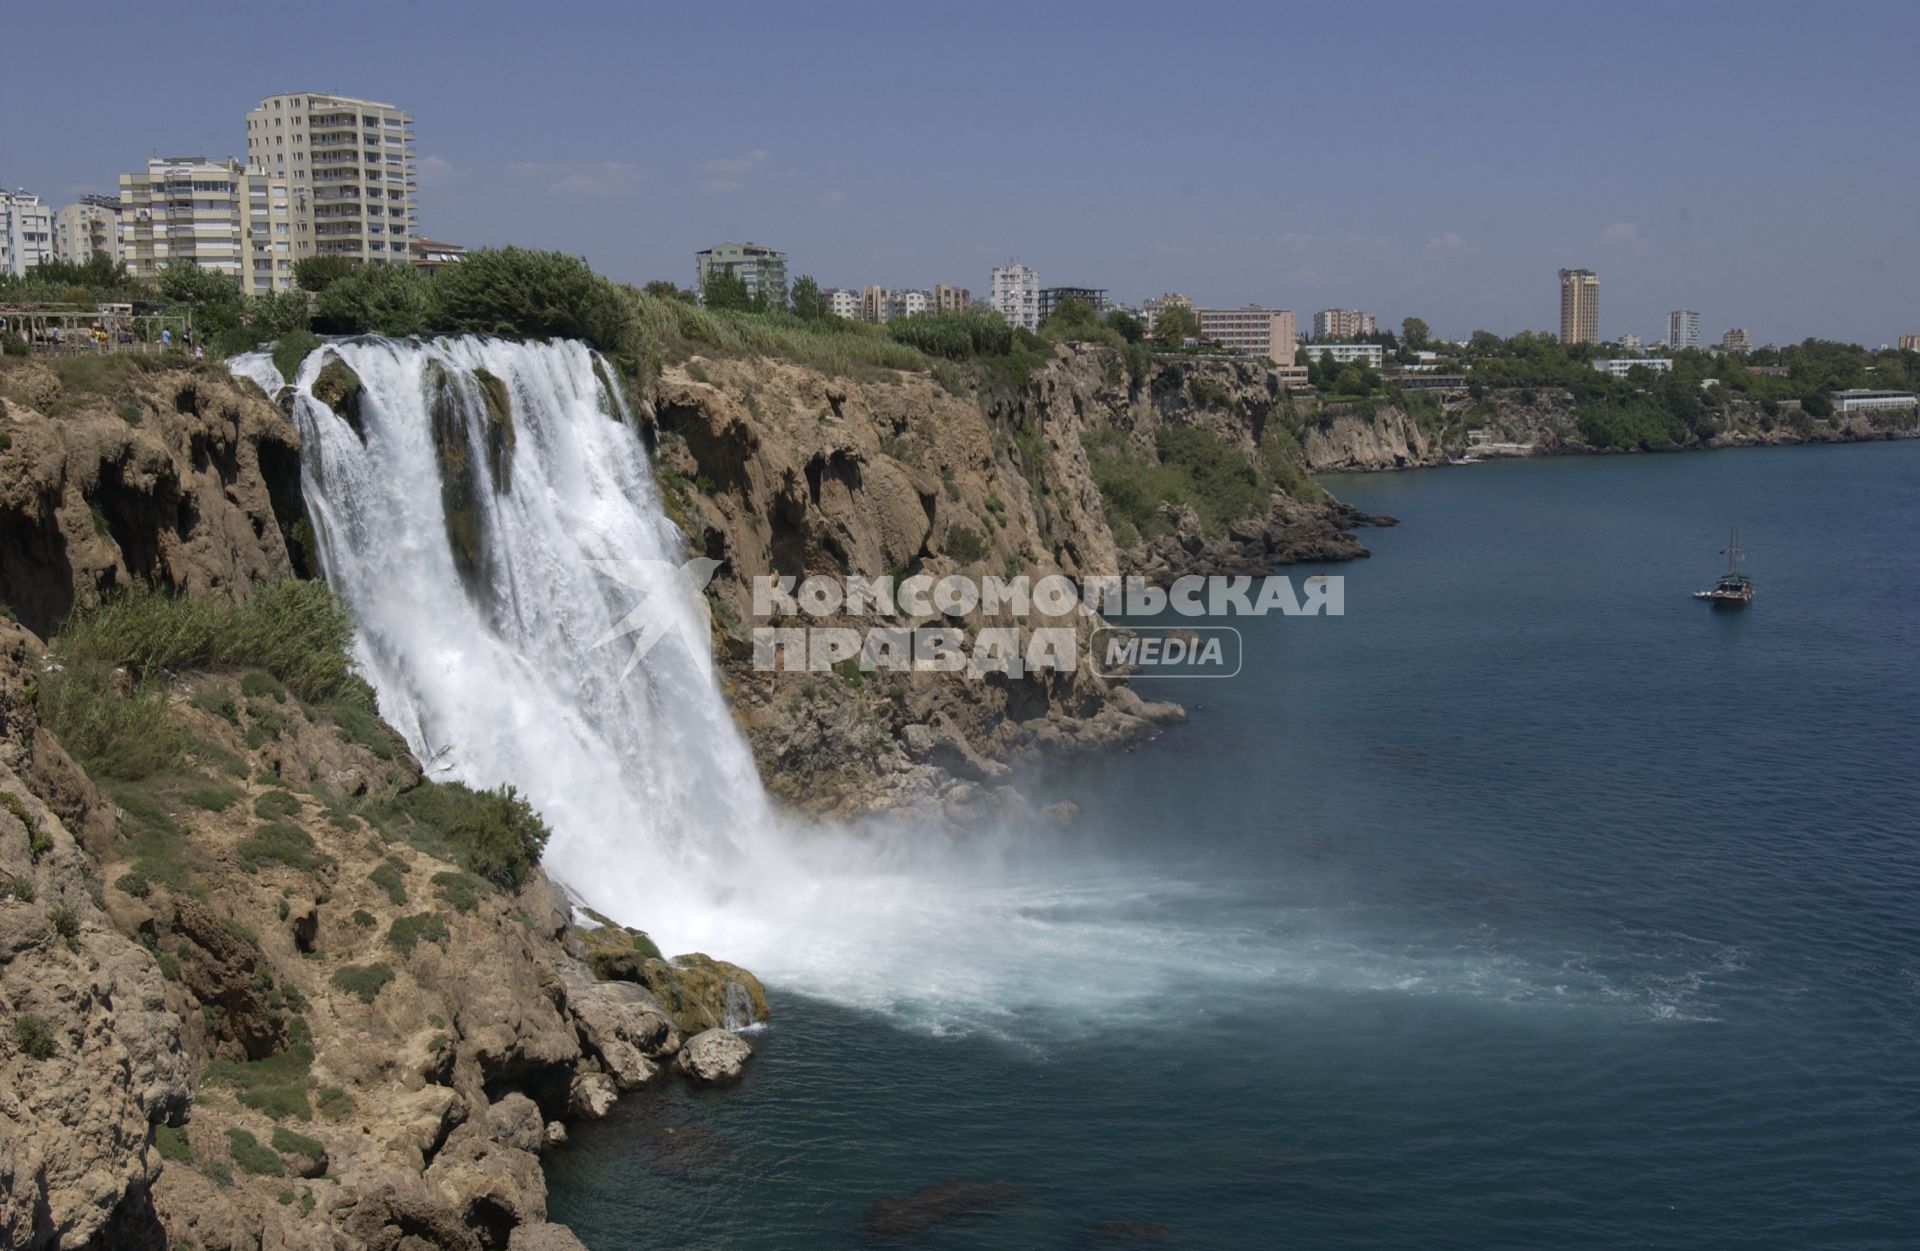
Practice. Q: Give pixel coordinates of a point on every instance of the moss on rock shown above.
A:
(459, 483)
(500, 433)
(339, 388)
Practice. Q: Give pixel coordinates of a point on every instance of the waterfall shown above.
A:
(467, 554)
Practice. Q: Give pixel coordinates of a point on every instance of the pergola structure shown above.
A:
(105, 327)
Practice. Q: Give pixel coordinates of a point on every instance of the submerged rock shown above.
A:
(939, 1204)
(339, 388)
(714, 1056)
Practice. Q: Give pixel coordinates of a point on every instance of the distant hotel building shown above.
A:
(1052, 297)
(88, 228)
(760, 268)
(1683, 329)
(1346, 353)
(1618, 367)
(1579, 306)
(1257, 331)
(26, 232)
(1343, 323)
(194, 209)
(1735, 340)
(348, 167)
(1015, 295)
(1865, 401)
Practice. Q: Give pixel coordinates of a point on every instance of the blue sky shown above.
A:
(1752, 161)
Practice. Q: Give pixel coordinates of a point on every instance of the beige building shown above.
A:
(1344, 323)
(948, 299)
(87, 228)
(1579, 306)
(1910, 343)
(1150, 309)
(1735, 340)
(349, 170)
(184, 208)
(1257, 331)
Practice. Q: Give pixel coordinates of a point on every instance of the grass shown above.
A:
(170, 1143)
(276, 804)
(460, 891)
(252, 1157)
(408, 932)
(334, 1103)
(278, 842)
(211, 798)
(1190, 467)
(363, 980)
(494, 834)
(276, 1085)
(287, 1142)
(66, 922)
(387, 877)
(679, 330)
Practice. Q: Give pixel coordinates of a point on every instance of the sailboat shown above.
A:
(1735, 588)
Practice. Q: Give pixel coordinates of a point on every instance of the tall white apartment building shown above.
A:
(1015, 295)
(87, 228)
(184, 208)
(26, 232)
(1683, 329)
(349, 170)
(1344, 323)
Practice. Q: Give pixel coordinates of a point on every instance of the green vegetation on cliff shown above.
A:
(1191, 468)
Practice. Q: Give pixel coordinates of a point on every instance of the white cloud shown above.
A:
(832, 199)
(729, 173)
(438, 171)
(586, 180)
(1623, 234)
(1448, 242)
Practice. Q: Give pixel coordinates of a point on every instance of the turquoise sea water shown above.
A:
(1530, 904)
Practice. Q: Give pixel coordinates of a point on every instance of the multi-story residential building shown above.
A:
(1861, 400)
(1683, 329)
(948, 299)
(349, 171)
(876, 304)
(1015, 295)
(1631, 342)
(1257, 331)
(26, 232)
(1910, 343)
(1150, 309)
(1344, 323)
(762, 269)
(1618, 367)
(843, 303)
(88, 228)
(1735, 340)
(1579, 306)
(1371, 354)
(184, 208)
(427, 253)
(1052, 297)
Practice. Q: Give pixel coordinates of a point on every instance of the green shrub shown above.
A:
(275, 804)
(375, 299)
(645, 945)
(529, 294)
(408, 932)
(23, 888)
(293, 348)
(495, 834)
(222, 1175)
(279, 842)
(363, 919)
(334, 1103)
(386, 876)
(219, 701)
(170, 1143)
(965, 544)
(66, 922)
(34, 1039)
(460, 891)
(259, 684)
(287, 1142)
(252, 1157)
(364, 980)
(210, 798)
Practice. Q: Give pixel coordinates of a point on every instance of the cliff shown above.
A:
(238, 923)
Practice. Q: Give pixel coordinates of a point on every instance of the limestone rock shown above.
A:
(591, 1096)
(714, 1056)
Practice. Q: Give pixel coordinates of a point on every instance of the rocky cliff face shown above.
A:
(775, 469)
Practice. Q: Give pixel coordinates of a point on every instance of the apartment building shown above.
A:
(1735, 340)
(26, 232)
(1052, 297)
(1910, 343)
(1015, 294)
(184, 208)
(1344, 323)
(435, 253)
(1579, 306)
(349, 170)
(762, 269)
(1150, 309)
(948, 299)
(1683, 329)
(843, 303)
(1254, 330)
(87, 228)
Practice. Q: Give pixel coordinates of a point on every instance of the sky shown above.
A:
(1750, 161)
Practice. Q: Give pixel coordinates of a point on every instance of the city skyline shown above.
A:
(1456, 217)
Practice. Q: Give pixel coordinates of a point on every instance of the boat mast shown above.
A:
(1733, 551)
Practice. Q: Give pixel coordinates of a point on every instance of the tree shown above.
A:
(317, 273)
(1175, 325)
(725, 289)
(808, 303)
(1414, 331)
(1126, 325)
(1072, 318)
(531, 294)
(212, 298)
(374, 299)
(661, 289)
